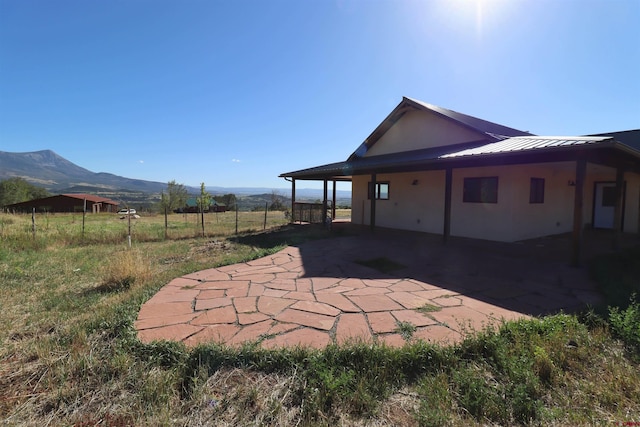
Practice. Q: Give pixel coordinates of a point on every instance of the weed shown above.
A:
(428, 308)
(406, 329)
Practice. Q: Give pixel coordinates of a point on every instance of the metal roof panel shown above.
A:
(522, 143)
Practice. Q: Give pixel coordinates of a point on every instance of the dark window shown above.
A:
(480, 190)
(536, 190)
(381, 191)
(609, 196)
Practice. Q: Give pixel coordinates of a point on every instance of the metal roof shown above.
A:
(627, 137)
(89, 197)
(439, 157)
(528, 143)
(492, 129)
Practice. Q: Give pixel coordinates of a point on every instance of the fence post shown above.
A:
(84, 214)
(236, 218)
(33, 222)
(264, 227)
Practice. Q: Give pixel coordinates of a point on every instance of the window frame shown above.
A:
(480, 189)
(378, 192)
(536, 190)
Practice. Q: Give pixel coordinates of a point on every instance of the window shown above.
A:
(609, 196)
(381, 191)
(480, 190)
(536, 190)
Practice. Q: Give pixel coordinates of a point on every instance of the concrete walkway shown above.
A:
(318, 293)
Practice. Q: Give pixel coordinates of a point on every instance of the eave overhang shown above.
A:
(519, 150)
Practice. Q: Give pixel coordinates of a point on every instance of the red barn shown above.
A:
(66, 203)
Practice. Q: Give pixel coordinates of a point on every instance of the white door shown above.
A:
(605, 201)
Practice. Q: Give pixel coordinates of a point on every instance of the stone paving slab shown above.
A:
(317, 293)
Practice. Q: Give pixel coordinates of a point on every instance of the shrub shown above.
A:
(625, 324)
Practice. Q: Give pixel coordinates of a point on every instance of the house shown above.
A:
(430, 169)
(66, 203)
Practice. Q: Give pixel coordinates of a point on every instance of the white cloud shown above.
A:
(235, 160)
(140, 161)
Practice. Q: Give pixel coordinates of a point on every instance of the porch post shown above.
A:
(372, 221)
(617, 210)
(446, 232)
(293, 200)
(333, 204)
(325, 185)
(578, 201)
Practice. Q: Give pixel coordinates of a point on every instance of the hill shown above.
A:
(58, 175)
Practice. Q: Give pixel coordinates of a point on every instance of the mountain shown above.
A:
(58, 175)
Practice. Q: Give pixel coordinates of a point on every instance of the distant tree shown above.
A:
(229, 200)
(17, 190)
(277, 202)
(174, 198)
(204, 201)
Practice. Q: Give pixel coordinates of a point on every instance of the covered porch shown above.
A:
(582, 154)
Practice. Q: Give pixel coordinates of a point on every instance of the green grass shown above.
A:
(428, 308)
(70, 355)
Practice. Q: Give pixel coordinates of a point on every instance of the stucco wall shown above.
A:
(513, 217)
(420, 129)
(420, 207)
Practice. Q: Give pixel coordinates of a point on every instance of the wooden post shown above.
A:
(325, 185)
(578, 202)
(166, 223)
(236, 218)
(84, 214)
(447, 204)
(617, 210)
(33, 222)
(333, 205)
(373, 195)
(293, 201)
(266, 204)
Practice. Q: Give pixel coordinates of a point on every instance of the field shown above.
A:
(70, 355)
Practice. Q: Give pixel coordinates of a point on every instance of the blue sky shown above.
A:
(234, 93)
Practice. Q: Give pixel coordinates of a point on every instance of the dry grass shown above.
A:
(70, 355)
(123, 269)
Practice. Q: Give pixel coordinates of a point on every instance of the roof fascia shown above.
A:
(608, 152)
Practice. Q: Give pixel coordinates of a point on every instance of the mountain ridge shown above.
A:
(56, 174)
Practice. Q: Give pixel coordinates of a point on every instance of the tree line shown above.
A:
(17, 190)
(175, 196)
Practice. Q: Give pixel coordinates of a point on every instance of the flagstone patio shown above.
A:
(319, 293)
